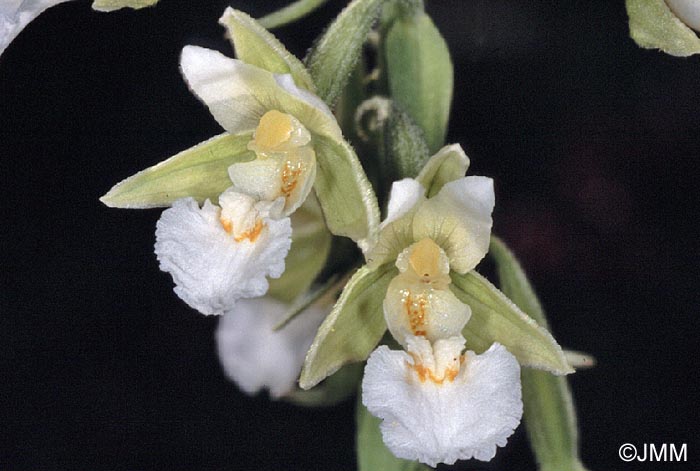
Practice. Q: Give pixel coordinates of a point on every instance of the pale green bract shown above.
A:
(495, 318)
(420, 74)
(290, 13)
(111, 5)
(352, 329)
(549, 413)
(654, 26)
(200, 172)
(334, 56)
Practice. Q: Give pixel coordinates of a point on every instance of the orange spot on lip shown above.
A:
(290, 177)
(251, 234)
(415, 307)
(424, 373)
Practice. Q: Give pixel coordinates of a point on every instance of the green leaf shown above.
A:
(549, 413)
(111, 5)
(333, 390)
(372, 454)
(290, 13)
(346, 196)
(334, 56)
(200, 172)
(420, 74)
(496, 319)
(352, 329)
(449, 164)
(311, 244)
(257, 46)
(405, 144)
(654, 26)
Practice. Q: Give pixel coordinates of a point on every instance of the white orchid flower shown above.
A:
(217, 255)
(254, 355)
(439, 405)
(15, 15)
(246, 99)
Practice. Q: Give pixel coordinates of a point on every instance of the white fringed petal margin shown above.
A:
(442, 423)
(16, 14)
(210, 269)
(255, 356)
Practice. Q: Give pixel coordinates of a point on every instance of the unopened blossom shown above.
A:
(255, 355)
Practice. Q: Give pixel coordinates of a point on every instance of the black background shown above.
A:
(592, 143)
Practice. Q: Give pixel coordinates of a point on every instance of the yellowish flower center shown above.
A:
(250, 234)
(425, 373)
(275, 128)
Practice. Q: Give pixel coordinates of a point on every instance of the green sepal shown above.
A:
(352, 329)
(257, 46)
(406, 148)
(346, 196)
(548, 411)
(200, 172)
(449, 164)
(372, 454)
(311, 244)
(496, 319)
(333, 390)
(112, 5)
(420, 74)
(654, 26)
(291, 13)
(333, 57)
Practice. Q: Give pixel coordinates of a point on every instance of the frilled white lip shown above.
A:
(459, 413)
(15, 15)
(254, 355)
(458, 219)
(211, 269)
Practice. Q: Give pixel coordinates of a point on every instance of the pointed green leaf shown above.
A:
(200, 172)
(654, 26)
(311, 244)
(449, 164)
(335, 389)
(290, 13)
(352, 329)
(346, 196)
(257, 46)
(111, 5)
(372, 454)
(420, 74)
(334, 56)
(405, 144)
(496, 319)
(549, 413)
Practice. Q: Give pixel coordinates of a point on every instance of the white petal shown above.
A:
(405, 195)
(239, 94)
(16, 14)
(458, 218)
(441, 423)
(224, 85)
(287, 82)
(688, 11)
(255, 356)
(210, 269)
(396, 231)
